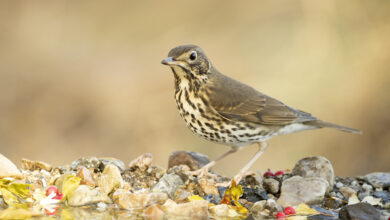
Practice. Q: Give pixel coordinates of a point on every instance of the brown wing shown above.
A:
(237, 101)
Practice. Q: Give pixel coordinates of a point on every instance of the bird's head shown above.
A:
(188, 62)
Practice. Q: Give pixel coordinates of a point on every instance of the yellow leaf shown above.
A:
(8, 197)
(304, 209)
(194, 198)
(353, 199)
(234, 193)
(21, 190)
(17, 213)
(70, 185)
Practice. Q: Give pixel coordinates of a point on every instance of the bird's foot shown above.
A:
(236, 178)
(203, 172)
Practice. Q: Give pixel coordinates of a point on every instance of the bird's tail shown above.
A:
(324, 124)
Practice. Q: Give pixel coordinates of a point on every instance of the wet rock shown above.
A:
(254, 195)
(316, 166)
(333, 203)
(88, 162)
(142, 162)
(257, 208)
(104, 161)
(208, 186)
(191, 210)
(212, 198)
(86, 176)
(273, 206)
(168, 184)
(384, 195)
(110, 179)
(223, 211)
(359, 211)
(192, 159)
(296, 190)
(153, 212)
(379, 179)
(271, 185)
(35, 165)
(85, 195)
(8, 169)
(127, 200)
(347, 191)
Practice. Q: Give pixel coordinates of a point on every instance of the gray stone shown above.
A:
(85, 195)
(296, 190)
(88, 162)
(271, 185)
(378, 179)
(258, 207)
(315, 166)
(273, 206)
(384, 195)
(192, 159)
(168, 184)
(359, 211)
(339, 184)
(104, 161)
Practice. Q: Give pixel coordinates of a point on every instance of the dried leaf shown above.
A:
(304, 209)
(353, 199)
(194, 198)
(69, 185)
(372, 201)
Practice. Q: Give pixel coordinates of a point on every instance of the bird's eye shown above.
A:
(193, 55)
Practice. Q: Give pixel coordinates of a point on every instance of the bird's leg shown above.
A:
(243, 172)
(204, 171)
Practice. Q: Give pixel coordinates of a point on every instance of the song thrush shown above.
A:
(223, 110)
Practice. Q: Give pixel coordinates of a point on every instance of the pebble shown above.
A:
(191, 210)
(333, 203)
(86, 176)
(168, 184)
(212, 198)
(384, 195)
(273, 206)
(142, 162)
(127, 200)
(193, 160)
(315, 166)
(296, 190)
(84, 195)
(254, 194)
(379, 179)
(258, 207)
(104, 161)
(271, 185)
(223, 211)
(347, 191)
(339, 184)
(110, 179)
(8, 169)
(35, 165)
(359, 211)
(153, 212)
(208, 186)
(88, 162)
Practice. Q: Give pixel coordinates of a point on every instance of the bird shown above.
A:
(228, 112)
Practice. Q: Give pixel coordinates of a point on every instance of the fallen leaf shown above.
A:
(194, 198)
(70, 185)
(233, 194)
(353, 199)
(304, 209)
(21, 190)
(372, 201)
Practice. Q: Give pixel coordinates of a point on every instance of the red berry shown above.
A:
(58, 196)
(268, 173)
(51, 189)
(280, 215)
(279, 172)
(289, 210)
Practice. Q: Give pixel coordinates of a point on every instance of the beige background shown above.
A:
(84, 78)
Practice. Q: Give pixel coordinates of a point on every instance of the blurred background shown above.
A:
(81, 78)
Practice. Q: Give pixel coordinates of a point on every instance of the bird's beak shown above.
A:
(168, 61)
